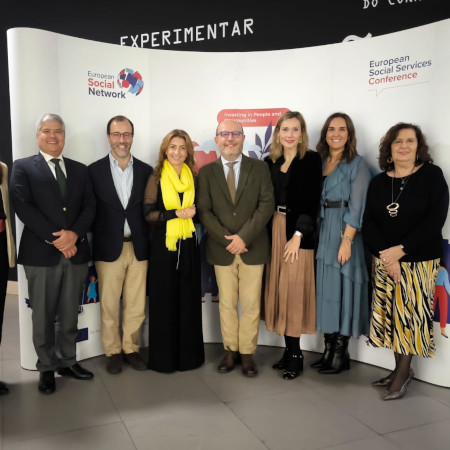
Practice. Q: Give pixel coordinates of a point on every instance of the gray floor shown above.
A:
(203, 409)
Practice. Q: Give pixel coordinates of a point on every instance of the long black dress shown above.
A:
(175, 307)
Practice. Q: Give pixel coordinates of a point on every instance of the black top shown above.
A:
(281, 189)
(2, 211)
(420, 218)
(301, 191)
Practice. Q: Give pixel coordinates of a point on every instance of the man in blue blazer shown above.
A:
(53, 198)
(235, 201)
(121, 245)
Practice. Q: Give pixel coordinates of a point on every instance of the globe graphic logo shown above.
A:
(131, 81)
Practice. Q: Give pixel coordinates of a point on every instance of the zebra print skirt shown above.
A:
(402, 313)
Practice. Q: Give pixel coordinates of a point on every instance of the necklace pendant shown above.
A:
(393, 209)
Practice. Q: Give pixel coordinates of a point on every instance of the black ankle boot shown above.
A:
(327, 353)
(294, 367)
(341, 359)
(282, 363)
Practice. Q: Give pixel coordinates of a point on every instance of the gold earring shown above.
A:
(389, 160)
(278, 139)
(300, 140)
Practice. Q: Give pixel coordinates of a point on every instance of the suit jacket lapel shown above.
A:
(42, 166)
(136, 172)
(243, 175)
(108, 177)
(220, 178)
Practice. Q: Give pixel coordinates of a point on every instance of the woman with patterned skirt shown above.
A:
(406, 209)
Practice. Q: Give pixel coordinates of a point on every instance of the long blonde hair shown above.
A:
(190, 159)
(276, 149)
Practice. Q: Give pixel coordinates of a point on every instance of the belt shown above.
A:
(127, 239)
(281, 209)
(328, 204)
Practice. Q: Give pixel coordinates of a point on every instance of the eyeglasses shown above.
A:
(116, 135)
(225, 134)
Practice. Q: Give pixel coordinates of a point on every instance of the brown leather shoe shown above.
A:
(228, 361)
(249, 367)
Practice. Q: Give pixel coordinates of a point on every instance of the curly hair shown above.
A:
(276, 149)
(350, 146)
(422, 155)
(190, 158)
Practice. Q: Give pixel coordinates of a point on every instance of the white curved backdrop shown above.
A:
(377, 81)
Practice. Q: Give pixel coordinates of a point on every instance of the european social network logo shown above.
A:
(131, 81)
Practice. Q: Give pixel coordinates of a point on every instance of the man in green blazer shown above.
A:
(235, 202)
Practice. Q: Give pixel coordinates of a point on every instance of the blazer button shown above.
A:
(64, 209)
(234, 214)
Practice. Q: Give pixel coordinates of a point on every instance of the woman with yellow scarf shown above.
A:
(175, 308)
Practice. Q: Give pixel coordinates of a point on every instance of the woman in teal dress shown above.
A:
(341, 269)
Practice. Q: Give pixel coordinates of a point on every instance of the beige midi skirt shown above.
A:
(290, 291)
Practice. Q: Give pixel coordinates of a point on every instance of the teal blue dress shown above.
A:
(342, 291)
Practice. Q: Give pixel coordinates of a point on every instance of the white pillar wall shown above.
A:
(377, 81)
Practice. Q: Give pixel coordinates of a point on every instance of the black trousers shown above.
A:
(4, 271)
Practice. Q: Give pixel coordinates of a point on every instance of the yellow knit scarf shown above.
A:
(171, 186)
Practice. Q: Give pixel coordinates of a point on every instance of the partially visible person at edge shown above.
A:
(52, 196)
(235, 202)
(120, 249)
(175, 306)
(7, 249)
(290, 298)
(441, 297)
(406, 209)
(341, 267)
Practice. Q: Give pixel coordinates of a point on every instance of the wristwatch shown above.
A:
(298, 233)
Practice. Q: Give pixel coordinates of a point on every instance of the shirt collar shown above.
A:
(48, 157)
(225, 162)
(113, 161)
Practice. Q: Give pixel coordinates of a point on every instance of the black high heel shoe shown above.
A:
(340, 359)
(294, 367)
(327, 352)
(282, 363)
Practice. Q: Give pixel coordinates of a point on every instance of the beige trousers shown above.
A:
(239, 282)
(126, 277)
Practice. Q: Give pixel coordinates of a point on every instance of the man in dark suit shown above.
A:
(53, 198)
(121, 245)
(235, 202)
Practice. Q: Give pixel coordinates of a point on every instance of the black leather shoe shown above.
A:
(114, 365)
(76, 371)
(228, 362)
(135, 361)
(249, 367)
(3, 388)
(282, 363)
(47, 382)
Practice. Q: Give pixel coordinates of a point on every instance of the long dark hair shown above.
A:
(350, 146)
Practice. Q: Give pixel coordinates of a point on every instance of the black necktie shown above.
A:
(60, 177)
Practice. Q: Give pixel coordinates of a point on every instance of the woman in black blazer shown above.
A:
(290, 308)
